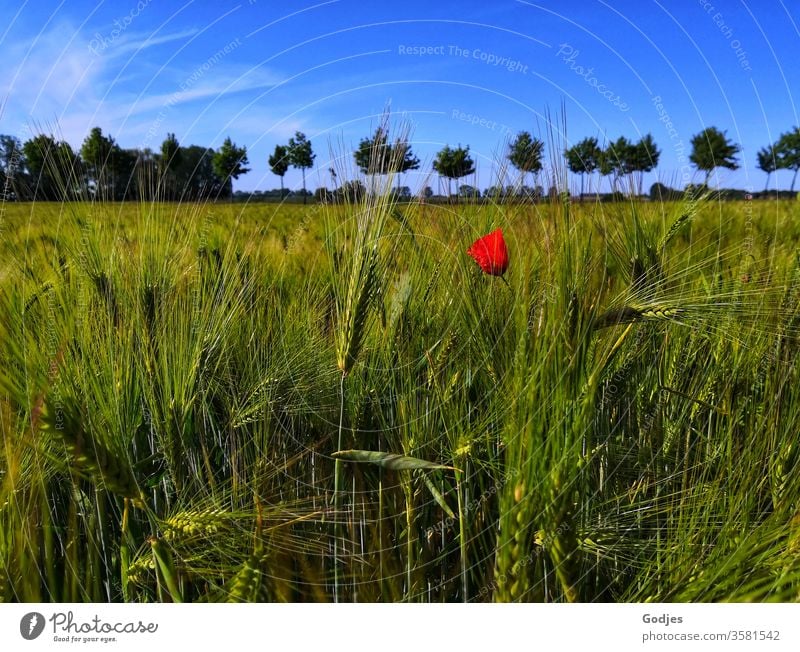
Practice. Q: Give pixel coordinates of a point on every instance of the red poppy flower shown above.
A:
(490, 253)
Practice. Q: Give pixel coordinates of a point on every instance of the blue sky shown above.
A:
(467, 72)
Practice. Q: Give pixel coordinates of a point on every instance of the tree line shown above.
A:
(619, 159)
(44, 168)
(48, 169)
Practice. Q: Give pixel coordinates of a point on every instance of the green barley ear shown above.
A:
(361, 291)
(357, 272)
(561, 540)
(193, 524)
(141, 570)
(88, 456)
(248, 583)
(659, 312)
(676, 226)
(631, 314)
(437, 365)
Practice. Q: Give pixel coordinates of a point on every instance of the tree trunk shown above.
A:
(304, 186)
(708, 175)
(281, 178)
(766, 185)
(794, 178)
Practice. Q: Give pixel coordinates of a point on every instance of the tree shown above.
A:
(403, 193)
(301, 156)
(96, 154)
(10, 153)
(495, 193)
(68, 168)
(279, 162)
(554, 194)
(195, 176)
(322, 195)
(605, 166)
(454, 163)
(468, 192)
(405, 157)
(147, 166)
(12, 167)
(169, 160)
(52, 166)
(525, 154)
(229, 164)
(109, 168)
(644, 155)
(620, 157)
(583, 157)
(37, 152)
(351, 192)
(767, 160)
(377, 156)
(123, 168)
(373, 154)
(788, 152)
(662, 192)
(711, 149)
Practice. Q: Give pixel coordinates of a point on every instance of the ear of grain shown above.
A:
(561, 541)
(193, 524)
(361, 292)
(86, 454)
(391, 461)
(676, 226)
(630, 314)
(246, 584)
(141, 571)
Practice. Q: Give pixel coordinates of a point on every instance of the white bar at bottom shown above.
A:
(400, 628)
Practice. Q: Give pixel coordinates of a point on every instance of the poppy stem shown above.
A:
(508, 285)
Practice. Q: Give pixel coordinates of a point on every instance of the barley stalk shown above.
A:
(165, 568)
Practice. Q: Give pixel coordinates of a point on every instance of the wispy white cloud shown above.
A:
(59, 83)
(57, 77)
(46, 72)
(223, 83)
(105, 45)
